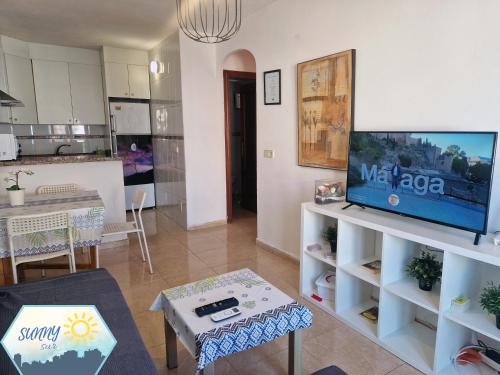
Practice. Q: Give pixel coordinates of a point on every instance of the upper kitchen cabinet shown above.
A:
(68, 85)
(127, 81)
(138, 80)
(53, 92)
(20, 86)
(126, 73)
(117, 80)
(87, 94)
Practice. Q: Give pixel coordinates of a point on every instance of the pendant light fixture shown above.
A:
(209, 21)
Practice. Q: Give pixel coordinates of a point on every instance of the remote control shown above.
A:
(214, 307)
(225, 314)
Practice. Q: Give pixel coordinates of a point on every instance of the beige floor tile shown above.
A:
(180, 257)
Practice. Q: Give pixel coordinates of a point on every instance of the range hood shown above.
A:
(8, 101)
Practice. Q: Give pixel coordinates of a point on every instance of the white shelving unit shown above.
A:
(417, 326)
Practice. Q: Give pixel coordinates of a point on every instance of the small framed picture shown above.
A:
(272, 87)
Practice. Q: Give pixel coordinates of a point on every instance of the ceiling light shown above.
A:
(209, 21)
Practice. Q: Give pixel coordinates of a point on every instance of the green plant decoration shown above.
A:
(426, 269)
(14, 177)
(490, 299)
(330, 234)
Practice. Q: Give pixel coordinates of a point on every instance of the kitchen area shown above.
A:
(79, 116)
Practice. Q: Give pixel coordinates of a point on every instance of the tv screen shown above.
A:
(440, 177)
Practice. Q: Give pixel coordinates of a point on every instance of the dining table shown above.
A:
(86, 212)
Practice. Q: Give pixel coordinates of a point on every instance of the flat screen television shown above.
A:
(441, 177)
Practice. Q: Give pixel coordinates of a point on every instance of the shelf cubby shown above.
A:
(397, 253)
(456, 285)
(353, 297)
(401, 328)
(451, 338)
(359, 246)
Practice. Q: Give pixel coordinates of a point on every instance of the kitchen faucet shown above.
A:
(58, 150)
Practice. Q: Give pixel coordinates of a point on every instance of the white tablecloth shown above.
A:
(267, 313)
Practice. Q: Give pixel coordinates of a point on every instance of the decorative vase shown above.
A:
(498, 321)
(16, 197)
(333, 245)
(425, 284)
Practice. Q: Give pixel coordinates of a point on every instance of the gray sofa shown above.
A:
(96, 287)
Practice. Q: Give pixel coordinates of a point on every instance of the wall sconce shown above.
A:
(156, 67)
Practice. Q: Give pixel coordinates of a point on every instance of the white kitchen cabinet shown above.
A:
(117, 80)
(86, 94)
(53, 92)
(138, 79)
(127, 81)
(20, 86)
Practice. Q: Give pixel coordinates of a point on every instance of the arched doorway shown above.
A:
(240, 110)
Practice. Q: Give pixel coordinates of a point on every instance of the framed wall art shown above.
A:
(325, 103)
(272, 87)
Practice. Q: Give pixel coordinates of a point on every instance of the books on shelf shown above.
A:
(371, 314)
(374, 266)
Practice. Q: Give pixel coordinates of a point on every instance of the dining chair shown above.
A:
(54, 189)
(135, 226)
(31, 224)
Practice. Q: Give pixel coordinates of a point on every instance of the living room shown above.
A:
(254, 135)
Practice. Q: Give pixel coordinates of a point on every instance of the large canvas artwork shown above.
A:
(325, 101)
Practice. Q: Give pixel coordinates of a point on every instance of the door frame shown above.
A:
(228, 75)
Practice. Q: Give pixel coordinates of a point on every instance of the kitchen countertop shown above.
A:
(61, 159)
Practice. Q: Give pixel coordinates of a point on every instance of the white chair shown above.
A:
(54, 189)
(28, 224)
(135, 226)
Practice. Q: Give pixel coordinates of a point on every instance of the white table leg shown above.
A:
(209, 370)
(295, 353)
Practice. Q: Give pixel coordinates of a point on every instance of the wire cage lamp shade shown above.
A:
(209, 21)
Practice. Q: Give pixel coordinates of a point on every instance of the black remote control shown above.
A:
(216, 306)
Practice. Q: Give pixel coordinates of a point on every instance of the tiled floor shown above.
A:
(180, 257)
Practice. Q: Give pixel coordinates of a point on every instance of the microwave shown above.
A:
(8, 147)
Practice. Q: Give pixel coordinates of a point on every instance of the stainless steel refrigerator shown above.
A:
(131, 140)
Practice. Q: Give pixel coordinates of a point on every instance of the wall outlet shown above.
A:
(269, 154)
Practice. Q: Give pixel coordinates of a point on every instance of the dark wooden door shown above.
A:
(249, 147)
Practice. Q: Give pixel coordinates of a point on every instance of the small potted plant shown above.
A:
(16, 193)
(490, 301)
(426, 269)
(330, 236)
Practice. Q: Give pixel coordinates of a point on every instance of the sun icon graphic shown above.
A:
(80, 329)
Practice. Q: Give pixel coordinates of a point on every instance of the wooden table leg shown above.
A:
(171, 345)
(295, 352)
(93, 257)
(209, 370)
(6, 268)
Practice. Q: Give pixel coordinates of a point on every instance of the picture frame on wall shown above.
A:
(272, 87)
(325, 104)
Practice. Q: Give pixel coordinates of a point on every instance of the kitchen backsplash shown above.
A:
(44, 139)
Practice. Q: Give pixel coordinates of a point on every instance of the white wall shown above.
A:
(204, 143)
(241, 61)
(421, 65)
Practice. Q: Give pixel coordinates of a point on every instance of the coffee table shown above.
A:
(266, 314)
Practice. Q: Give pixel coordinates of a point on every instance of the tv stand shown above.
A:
(353, 204)
(365, 236)
(476, 239)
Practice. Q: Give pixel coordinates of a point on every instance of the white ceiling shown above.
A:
(137, 24)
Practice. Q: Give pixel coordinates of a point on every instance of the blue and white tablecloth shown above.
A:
(267, 313)
(86, 211)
